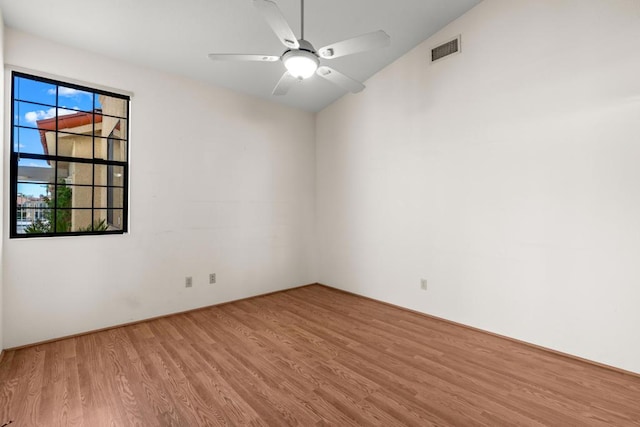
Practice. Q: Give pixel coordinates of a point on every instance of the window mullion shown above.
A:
(55, 171)
(93, 157)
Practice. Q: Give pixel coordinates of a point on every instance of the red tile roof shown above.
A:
(68, 121)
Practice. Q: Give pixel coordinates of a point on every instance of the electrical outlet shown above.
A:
(212, 278)
(423, 284)
(188, 282)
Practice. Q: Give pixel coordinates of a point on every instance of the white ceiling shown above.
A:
(177, 35)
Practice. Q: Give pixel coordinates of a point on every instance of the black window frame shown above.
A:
(109, 164)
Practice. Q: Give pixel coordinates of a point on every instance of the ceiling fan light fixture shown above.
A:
(301, 59)
(300, 63)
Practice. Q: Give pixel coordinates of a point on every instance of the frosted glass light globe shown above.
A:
(300, 63)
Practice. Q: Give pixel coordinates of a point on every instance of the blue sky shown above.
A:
(38, 102)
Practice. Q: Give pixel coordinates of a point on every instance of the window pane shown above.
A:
(108, 197)
(109, 175)
(120, 130)
(111, 149)
(75, 99)
(34, 91)
(101, 176)
(36, 171)
(62, 196)
(34, 115)
(75, 145)
(33, 199)
(33, 221)
(29, 141)
(74, 196)
(32, 204)
(75, 173)
(25, 201)
(117, 175)
(100, 197)
(80, 220)
(118, 150)
(28, 190)
(62, 220)
(112, 106)
(101, 148)
(113, 127)
(110, 127)
(113, 218)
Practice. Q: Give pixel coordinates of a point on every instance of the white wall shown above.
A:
(220, 183)
(1, 175)
(506, 175)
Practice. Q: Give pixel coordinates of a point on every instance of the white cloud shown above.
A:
(65, 111)
(34, 116)
(67, 91)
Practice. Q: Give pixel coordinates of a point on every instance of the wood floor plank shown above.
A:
(311, 356)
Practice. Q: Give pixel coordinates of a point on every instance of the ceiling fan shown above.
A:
(300, 58)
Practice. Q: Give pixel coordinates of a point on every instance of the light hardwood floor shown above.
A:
(308, 356)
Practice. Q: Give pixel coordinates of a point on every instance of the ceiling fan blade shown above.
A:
(285, 83)
(340, 79)
(369, 41)
(276, 21)
(241, 57)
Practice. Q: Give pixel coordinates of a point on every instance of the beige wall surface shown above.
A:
(219, 183)
(506, 175)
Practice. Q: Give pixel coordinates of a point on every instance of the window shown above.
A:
(69, 159)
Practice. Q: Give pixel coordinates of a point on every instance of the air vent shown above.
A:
(445, 49)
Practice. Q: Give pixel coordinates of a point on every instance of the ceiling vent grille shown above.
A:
(445, 49)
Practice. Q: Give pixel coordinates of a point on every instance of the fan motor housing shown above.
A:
(306, 46)
(302, 62)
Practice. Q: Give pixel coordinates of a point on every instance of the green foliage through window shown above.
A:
(62, 220)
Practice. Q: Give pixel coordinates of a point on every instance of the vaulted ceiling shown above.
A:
(176, 36)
